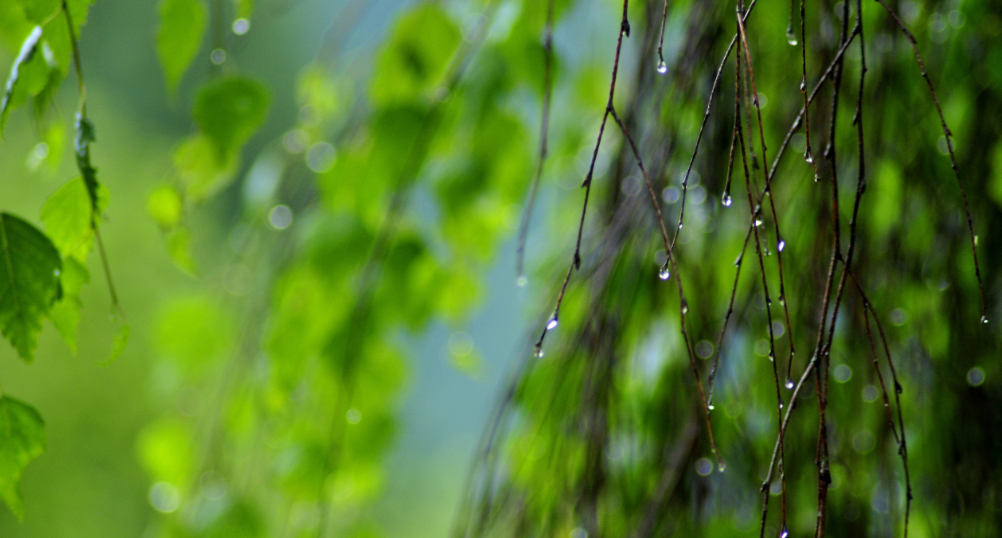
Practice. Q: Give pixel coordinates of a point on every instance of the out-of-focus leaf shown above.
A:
(194, 332)
(200, 170)
(120, 342)
(228, 111)
(164, 206)
(67, 218)
(22, 439)
(179, 248)
(65, 314)
(416, 56)
(166, 450)
(182, 25)
(49, 151)
(29, 282)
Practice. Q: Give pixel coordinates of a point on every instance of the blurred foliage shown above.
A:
(325, 229)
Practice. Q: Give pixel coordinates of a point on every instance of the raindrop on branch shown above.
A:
(662, 68)
(685, 306)
(789, 383)
(808, 156)
(663, 274)
(791, 37)
(552, 323)
(984, 320)
(721, 467)
(803, 86)
(780, 246)
(539, 352)
(784, 533)
(726, 200)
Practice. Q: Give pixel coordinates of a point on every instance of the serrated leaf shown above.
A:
(23, 65)
(78, 12)
(29, 283)
(182, 26)
(22, 439)
(228, 111)
(65, 314)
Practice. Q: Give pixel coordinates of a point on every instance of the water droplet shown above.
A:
(758, 221)
(726, 200)
(552, 324)
(782, 403)
(808, 156)
(217, 56)
(521, 281)
(241, 26)
(685, 306)
(984, 320)
(771, 357)
(539, 352)
(975, 240)
(782, 296)
(803, 86)
(711, 407)
(791, 37)
(780, 246)
(789, 383)
(817, 178)
(737, 262)
(898, 388)
(353, 416)
(662, 68)
(721, 467)
(784, 533)
(663, 274)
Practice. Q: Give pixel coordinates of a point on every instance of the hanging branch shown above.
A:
(947, 134)
(624, 30)
(898, 389)
(84, 137)
(544, 129)
(683, 304)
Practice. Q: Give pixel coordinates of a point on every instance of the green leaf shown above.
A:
(200, 170)
(78, 12)
(38, 11)
(120, 343)
(182, 25)
(65, 314)
(228, 111)
(164, 205)
(14, 25)
(22, 439)
(29, 282)
(23, 72)
(417, 55)
(67, 218)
